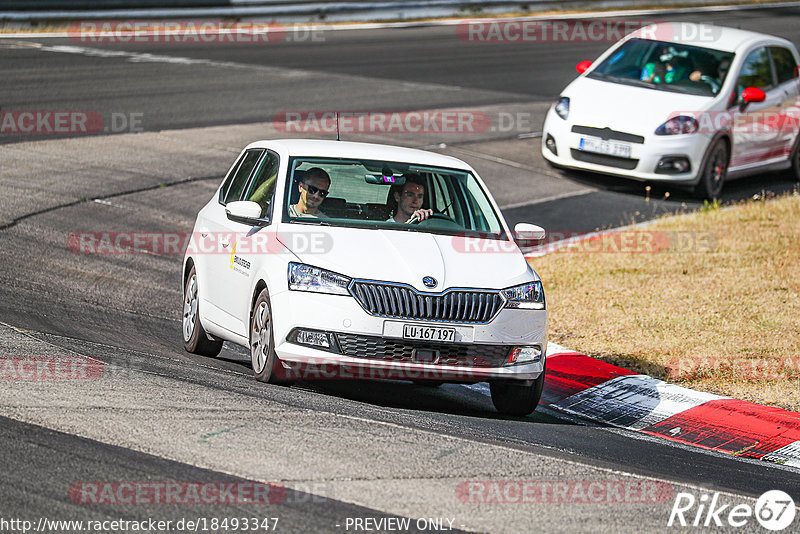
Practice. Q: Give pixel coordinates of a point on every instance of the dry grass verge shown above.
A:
(709, 300)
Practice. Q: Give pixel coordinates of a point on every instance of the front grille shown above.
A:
(602, 159)
(458, 355)
(405, 302)
(608, 133)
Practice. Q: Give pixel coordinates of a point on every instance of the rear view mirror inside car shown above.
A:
(387, 179)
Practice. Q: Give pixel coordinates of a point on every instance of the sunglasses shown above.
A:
(315, 190)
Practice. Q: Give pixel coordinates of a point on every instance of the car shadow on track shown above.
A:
(776, 183)
(453, 399)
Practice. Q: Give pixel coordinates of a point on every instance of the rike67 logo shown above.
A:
(774, 510)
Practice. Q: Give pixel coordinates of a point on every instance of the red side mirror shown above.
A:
(583, 66)
(753, 94)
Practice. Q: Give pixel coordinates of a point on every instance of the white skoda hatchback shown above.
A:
(305, 255)
(680, 103)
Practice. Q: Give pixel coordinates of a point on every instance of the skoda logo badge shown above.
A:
(430, 282)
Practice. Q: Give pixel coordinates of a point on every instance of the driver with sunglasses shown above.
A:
(313, 189)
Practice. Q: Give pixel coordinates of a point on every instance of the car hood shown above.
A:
(407, 257)
(627, 108)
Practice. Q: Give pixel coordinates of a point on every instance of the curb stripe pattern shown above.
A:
(612, 395)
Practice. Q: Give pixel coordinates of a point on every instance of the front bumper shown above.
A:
(375, 347)
(644, 156)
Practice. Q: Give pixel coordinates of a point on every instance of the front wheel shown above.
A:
(513, 399)
(714, 171)
(195, 339)
(262, 341)
(794, 172)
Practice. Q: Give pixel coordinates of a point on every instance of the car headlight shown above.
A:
(681, 124)
(304, 277)
(562, 107)
(529, 296)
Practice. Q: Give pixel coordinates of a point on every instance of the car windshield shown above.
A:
(666, 66)
(376, 194)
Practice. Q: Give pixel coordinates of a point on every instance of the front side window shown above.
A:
(234, 186)
(666, 66)
(756, 72)
(262, 187)
(382, 194)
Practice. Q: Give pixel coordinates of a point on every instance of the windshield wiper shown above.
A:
(642, 83)
(627, 81)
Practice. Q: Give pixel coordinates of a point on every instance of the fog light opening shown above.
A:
(519, 355)
(314, 338)
(673, 165)
(550, 143)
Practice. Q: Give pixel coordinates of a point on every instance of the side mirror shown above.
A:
(583, 66)
(245, 212)
(528, 235)
(753, 94)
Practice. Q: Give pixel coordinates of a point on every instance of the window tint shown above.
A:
(756, 71)
(262, 188)
(242, 174)
(784, 63)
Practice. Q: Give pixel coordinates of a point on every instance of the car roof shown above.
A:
(348, 149)
(708, 35)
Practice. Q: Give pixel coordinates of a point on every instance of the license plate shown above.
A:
(429, 333)
(611, 148)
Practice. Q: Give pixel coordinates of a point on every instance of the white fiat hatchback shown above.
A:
(332, 259)
(681, 103)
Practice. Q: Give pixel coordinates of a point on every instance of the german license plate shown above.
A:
(429, 333)
(611, 148)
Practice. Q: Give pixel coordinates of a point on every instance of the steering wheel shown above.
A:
(440, 216)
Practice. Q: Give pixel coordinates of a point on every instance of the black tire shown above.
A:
(429, 383)
(263, 359)
(714, 171)
(195, 339)
(794, 171)
(513, 399)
